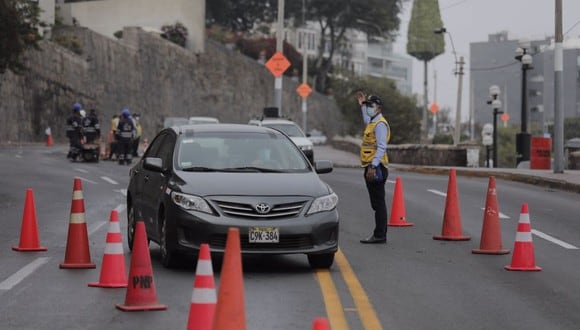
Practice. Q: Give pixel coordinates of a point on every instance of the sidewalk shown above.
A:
(569, 180)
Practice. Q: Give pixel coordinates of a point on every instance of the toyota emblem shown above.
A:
(262, 208)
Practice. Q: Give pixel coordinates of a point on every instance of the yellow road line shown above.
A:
(331, 301)
(366, 312)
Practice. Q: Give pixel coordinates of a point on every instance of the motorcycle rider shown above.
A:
(125, 134)
(91, 127)
(74, 132)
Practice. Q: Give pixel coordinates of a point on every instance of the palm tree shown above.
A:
(423, 44)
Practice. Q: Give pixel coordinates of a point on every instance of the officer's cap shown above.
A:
(373, 99)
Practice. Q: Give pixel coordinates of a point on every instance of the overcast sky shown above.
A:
(472, 21)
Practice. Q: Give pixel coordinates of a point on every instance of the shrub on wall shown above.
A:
(71, 43)
(176, 33)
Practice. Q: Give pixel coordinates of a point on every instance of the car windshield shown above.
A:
(289, 129)
(239, 152)
(175, 121)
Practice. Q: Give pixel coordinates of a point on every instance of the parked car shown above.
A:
(194, 182)
(292, 130)
(317, 137)
(175, 121)
(203, 120)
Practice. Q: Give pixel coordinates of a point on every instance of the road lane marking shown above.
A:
(96, 227)
(109, 180)
(331, 300)
(87, 180)
(82, 170)
(120, 208)
(390, 181)
(437, 192)
(366, 311)
(554, 240)
(121, 191)
(24, 272)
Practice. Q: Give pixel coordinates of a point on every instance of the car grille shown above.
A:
(242, 210)
(286, 242)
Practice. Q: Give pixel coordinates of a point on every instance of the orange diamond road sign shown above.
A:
(277, 64)
(304, 90)
(434, 108)
(505, 117)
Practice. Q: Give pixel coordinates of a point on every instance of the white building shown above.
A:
(357, 54)
(109, 16)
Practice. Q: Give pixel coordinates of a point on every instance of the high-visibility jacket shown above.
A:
(369, 144)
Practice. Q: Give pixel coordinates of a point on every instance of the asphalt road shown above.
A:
(414, 282)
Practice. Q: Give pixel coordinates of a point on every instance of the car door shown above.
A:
(155, 182)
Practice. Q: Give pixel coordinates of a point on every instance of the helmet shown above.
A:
(126, 113)
(373, 99)
(77, 107)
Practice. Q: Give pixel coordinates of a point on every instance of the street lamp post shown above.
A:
(523, 137)
(459, 72)
(494, 92)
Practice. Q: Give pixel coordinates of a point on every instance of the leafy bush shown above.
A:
(72, 43)
(176, 33)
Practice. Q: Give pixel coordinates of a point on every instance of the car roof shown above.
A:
(181, 129)
(273, 120)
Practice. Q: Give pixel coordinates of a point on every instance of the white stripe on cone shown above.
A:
(114, 227)
(77, 194)
(114, 248)
(203, 296)
(523, 236)
(77, 218)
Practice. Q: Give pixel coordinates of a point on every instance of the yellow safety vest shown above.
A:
(368, 147)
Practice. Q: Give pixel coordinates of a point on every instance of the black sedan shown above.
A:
(194, 182)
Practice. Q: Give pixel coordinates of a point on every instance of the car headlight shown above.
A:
(190, 202)
(324, 203)
(308, 147)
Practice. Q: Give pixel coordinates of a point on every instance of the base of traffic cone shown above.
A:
(100, 285)
(532, 268)
(403, 224)
(131, 308)
(20, 249)
(78, 266)
(452, 238)
(480, 251)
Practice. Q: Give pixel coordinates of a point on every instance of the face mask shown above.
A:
(370, 110)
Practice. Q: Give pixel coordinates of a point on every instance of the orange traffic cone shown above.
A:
(29, 240)
(77, 246)
(451, 230)
(48, 133)
(203, 297)
(113, 273)
(230, 311)
(320, 323)
(398, 218)
(491, 232)
(523, 257)
(141, 294)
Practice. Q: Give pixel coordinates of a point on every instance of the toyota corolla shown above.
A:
(194, 182)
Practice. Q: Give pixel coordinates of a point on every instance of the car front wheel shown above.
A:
(324, 260)
(169, 257)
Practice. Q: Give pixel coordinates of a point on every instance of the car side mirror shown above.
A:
(153, 164)
(323, 166)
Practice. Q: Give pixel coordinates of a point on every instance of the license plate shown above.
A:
(264, 235)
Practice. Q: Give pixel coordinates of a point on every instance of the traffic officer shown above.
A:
(125, 134)
(374, 159)
(91, 127)
(74, 132)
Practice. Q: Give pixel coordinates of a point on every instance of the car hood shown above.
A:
(301, 141)
(253, 184)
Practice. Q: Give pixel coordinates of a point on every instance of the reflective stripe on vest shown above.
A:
(368, 146)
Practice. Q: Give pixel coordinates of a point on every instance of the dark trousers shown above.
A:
(125, 151)
(376, 191)
(136, 146)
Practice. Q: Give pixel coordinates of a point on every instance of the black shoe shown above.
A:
(374, 240)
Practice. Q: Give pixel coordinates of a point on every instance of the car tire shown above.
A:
(323, 260)
(131, 225)
(169, 257)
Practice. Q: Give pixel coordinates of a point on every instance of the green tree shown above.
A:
(18, 32)
(376, 17)
(240, 15)
(423, 43)
(400, 110)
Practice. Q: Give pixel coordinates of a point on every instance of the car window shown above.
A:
(289, 129)
(236, 150)
(153, 150)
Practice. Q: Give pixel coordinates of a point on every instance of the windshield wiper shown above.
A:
(251, 169)
(200, 169)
